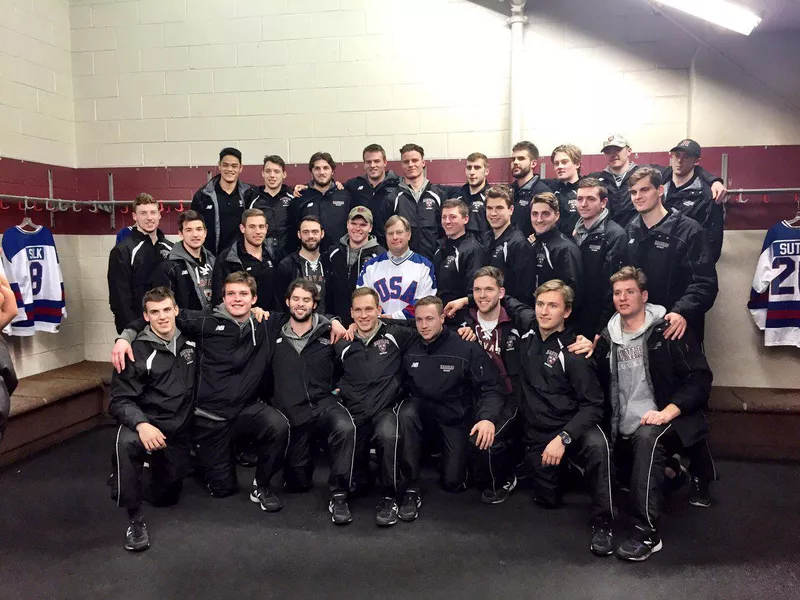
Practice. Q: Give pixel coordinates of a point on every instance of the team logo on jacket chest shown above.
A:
(286, 201)
(497, 252)
(450, 262)
(188, 355)
(595, 247)
(476, 206)
(337, 202)
(429, 203)
(661, 244)
(383, 346)
(324, 341)
(447, 368)
(511, 343)
(550, 358)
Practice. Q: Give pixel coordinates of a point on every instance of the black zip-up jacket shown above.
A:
(675, 256)
(187, 277)
(425, 215)
(344, 278)
(293, 267)
(374, 198)
(567, 194)
(558, 257)
(281, 230)
(560, 391)
(619, 196)
(695, 200)
(372, 378)
(205, 202)
(158, 388)
(604, 251)
(512, 253)
(678, 373)
(522, 203)
(233, 359)
(236, 258)
(454, 263)
(476, 203)
(331, 208)
(456, 379)
(306, 379)
(131, 267)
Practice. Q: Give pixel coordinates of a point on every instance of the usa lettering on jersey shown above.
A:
(33, 270)
(399, 284)
(775, 294)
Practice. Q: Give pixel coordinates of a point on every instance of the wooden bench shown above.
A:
(755, 423)
(54, 406)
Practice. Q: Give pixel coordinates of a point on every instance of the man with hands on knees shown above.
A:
(659, 389)
(456, 394)
(152, 399)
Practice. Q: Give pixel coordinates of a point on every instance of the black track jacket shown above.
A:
(455, 378)
(158, 388)
(131, 266)
(372, 378)
(513, 255)
(236, 258)
(281, 230)
(522, 203)
(454, 263)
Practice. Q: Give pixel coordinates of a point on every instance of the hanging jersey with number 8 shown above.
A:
(33, 270)
(775, 296)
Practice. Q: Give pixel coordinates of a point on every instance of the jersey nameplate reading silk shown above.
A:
(775, 295)
(33, 270)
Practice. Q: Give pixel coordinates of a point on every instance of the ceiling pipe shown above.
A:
(517, 22)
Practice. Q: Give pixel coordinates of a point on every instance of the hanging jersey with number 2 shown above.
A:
(775, 296)
(32, 268)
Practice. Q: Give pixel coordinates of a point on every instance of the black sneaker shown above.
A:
(498, 495)
(409, 509)
(266, 498)
(340, 512)
(640, 545)
(602, 540)
(387, 512)
(700, 493)
(136, 538)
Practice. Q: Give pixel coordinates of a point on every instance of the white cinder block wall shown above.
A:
(36, 103)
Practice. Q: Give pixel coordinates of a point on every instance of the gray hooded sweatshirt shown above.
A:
(299, 342)
(635, 392)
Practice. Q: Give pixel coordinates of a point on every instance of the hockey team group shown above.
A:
(509, 334)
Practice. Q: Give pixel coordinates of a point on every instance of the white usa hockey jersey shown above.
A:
(33, 270)
(775, 295)
(399, 284)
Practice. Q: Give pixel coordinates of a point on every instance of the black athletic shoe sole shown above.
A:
(655, 549)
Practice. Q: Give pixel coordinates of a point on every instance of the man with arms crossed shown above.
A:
(400, 276)
(188, 270)
(234, 351)
(151, 400)
(659, 389)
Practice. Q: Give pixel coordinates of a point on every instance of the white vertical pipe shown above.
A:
(519, 68)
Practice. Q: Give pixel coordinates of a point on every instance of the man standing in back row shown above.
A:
(274, 199)
(527, 184)
(373, 188)
(222, 200)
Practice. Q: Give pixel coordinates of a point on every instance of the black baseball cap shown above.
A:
(688, 146)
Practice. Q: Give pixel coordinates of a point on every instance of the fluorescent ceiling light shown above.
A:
(721, 12)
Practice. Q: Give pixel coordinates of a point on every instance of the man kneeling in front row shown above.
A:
(659, 391)
(152, 402)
